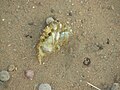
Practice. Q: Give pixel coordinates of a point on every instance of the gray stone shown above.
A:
(49, 20)
(115, 86)
(44, 87)
(4, 76)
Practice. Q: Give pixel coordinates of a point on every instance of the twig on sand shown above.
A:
(93, 86)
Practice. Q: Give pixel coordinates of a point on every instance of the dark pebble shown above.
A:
(99, 46)
(31, 23)
(108, 41)
(28, 36)
(52, 10)
(70, 13)
(87, 61)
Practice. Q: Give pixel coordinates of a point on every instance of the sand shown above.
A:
(96, 27)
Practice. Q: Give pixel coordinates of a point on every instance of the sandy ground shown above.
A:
(96, 27)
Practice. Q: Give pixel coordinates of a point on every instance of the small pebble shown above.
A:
(94, 47)
(31, 23)
(108, 41)
(52, 10)
(4, 76)
(49, 20)
(115, 86)
(110, 7)
(72, 4)
(33, 7)
(44, 87)
(27, 35)
(3, 19)
(70, 1)
(86, 61)
(12, 68)
(99, 46)
(70, 13)
(29, 74)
